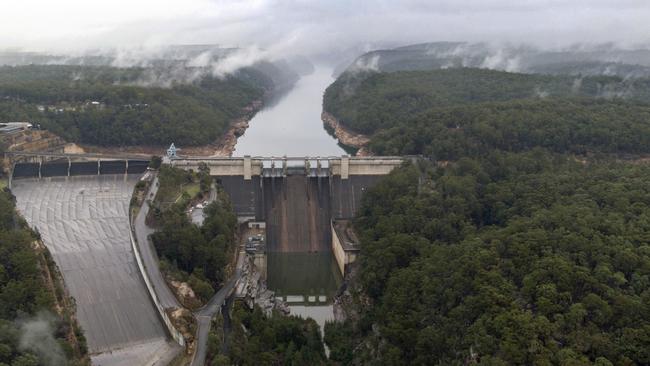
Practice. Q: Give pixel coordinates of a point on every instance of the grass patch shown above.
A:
(3, 183)
(192, 189)
(172, 182)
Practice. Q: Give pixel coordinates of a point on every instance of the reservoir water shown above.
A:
(291, 126)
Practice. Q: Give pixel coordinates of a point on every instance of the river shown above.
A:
(291, 126)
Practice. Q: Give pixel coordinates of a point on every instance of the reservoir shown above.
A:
(291, 126)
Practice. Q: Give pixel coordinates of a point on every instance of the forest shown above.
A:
(511, 259)
(455, 112)
(32, 330)
(198, 255)
(107, 106)
(520, 237)
(259, 339)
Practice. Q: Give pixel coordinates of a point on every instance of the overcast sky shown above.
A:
(312, 26)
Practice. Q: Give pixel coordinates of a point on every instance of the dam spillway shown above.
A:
(84, 223)
(297, 197)
(297, 214)
(297, 209)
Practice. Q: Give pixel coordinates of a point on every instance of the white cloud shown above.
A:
(311, 26)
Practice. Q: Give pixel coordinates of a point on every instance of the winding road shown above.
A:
(205, 314)
(165, 295)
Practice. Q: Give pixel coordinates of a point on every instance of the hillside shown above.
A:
(580, 60)
(507, 259)
(436, 112)
(108, 106)
(37, 324)
(519, 238)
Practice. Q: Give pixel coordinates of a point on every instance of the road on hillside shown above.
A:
(165, 295)
(205, 314)
(148, 252)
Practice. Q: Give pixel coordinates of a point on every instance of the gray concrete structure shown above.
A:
(47, 164)
(84, 222)
(249, 167)
(296, 197)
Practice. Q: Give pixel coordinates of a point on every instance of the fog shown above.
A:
(36, 337)
(274, 28)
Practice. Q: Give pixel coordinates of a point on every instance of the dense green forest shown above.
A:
(256, 339)
(454, 112)
(579, 126)
(607, 60)
(132, 106)
(510, 259)
(198, 254)
(520, 238)
(30, 332)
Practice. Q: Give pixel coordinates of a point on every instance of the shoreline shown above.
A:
(224, 146)
(346, 136)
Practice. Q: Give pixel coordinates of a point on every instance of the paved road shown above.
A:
(165, 295)
(205, 314)
(148, 253)
(198, 214)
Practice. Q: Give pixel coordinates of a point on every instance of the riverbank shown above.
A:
(224, 146)
(346, 136)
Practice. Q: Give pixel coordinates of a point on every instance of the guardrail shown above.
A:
(178, 337)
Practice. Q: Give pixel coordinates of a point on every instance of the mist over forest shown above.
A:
(514, 232)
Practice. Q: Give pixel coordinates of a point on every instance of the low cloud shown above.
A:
(36, 336)
(317, 27)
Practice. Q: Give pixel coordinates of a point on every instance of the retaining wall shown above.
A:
(178, 337)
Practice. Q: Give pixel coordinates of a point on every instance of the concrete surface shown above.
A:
(346, 194)
(297, 214)
(246, 167)
(148, 253)
(84, 223)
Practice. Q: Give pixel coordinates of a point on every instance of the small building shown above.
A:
(345, 244)
(257, 225)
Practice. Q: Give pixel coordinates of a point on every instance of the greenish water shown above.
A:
(306, 281)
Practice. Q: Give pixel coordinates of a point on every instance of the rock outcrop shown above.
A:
(252, 289)
(346, 136)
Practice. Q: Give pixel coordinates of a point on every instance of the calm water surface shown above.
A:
(306, 281)
(292, 126)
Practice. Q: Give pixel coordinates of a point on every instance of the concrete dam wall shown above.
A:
(297, 208)
(297, 212)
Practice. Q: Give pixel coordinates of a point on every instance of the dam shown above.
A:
(80, 206)
(298, 199)
(84, 222)
(79, 203)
